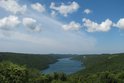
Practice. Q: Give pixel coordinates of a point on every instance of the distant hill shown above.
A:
(104, 68)
(103, 62)
(37, 61)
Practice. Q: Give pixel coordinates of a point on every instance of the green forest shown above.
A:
(30, 60)
(102, 68)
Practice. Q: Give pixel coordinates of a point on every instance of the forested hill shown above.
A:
(105, 68)
(100, 63)
(37, 61)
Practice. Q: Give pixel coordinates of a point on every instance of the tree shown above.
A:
(12, 73)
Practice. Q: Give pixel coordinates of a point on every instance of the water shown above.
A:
(65, 65)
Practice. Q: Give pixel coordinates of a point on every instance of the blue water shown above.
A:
(65, 65)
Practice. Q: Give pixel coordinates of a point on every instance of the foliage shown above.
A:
(101, 63)
(30, 60)
(99, 69)
(12, 73)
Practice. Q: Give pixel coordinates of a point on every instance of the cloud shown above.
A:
(93, 26)
(120, 23)
(49, 44)
(87, 11)
(12, 6)
(8, 23)
(31, 24)
(53, 13)
(65, 9)
(72, 26)
(53, 38)
(38, 7)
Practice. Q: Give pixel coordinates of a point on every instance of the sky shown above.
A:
(62, 26)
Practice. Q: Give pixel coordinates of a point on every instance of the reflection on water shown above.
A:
(65, 65)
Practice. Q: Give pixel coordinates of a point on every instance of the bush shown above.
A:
(12, 73)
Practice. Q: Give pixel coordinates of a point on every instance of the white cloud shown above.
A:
(72, 26)
(38, 7)
(87, 11)
(53, 38)
(44, 44)
(120, 24)
(31, 24)
(13, 6)
(65, 9)
(53, 13)
(8, 23)
(93, 26)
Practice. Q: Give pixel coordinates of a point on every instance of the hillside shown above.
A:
(30, 60)
(105, 68)
(99, 63)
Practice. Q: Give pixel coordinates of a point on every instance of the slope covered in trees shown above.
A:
(98, 69)
(13, 73)
(101, 63)
(30, 60)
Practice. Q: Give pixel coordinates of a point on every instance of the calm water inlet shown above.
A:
(65, 65)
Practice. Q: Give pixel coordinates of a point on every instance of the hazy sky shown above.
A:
(62, 26)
